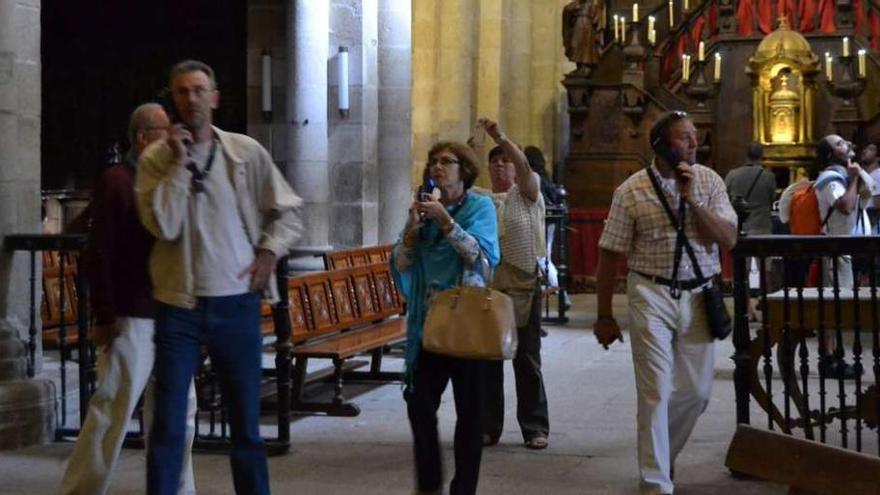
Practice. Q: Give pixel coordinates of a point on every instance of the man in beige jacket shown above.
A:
(222, 215)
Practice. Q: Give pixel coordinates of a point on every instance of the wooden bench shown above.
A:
(59, 308)
(357, 257)
(335, 315)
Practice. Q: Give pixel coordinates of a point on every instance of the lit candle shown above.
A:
(671, 15)
(717, 66)
(846, 46)
(636, 12)
(686, 6)
(701, 51)
(652, 36)
(828, 72)
(685, 67)
(623, 29)
(616, 35)
(862, 68)
(650, 23)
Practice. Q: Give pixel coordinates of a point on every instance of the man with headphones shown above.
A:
(671, 343)
(843, 188)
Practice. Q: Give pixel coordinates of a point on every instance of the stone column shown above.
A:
(354, 138)
(308, 23)
(425, 77)
(26, 406)
(516, 77)
(395, 117)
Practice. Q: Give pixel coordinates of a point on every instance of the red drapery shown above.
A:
(874, 22)
(827, 10)
(859, 9)
(806, 12)
(697, 31)
(765, 16)
(785, 8)
(744, 18)
(712, 17)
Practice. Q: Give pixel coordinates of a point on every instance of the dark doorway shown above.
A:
(103, 58)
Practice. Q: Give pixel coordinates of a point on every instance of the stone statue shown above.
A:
(582, 24)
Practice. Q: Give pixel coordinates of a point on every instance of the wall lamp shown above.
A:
(266, 85)
(342, 81)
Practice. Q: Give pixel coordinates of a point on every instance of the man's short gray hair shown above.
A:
(187, 66)
(140, 118)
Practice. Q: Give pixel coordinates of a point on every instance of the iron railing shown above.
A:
(791, 360)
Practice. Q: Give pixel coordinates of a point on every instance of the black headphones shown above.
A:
(660, 134)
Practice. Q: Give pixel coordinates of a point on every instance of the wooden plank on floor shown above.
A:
(805, 465)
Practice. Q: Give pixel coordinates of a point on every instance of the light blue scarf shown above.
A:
(436, 266)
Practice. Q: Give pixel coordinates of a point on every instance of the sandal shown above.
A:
(537, 443)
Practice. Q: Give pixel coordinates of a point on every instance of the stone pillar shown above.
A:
(266, 31)
(425, 82)
(26, 406)
(455, 68)
(308, 23)
(516, 85)
(395, 117)
(353, 139)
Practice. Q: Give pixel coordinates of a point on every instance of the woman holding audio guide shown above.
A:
(451, 234)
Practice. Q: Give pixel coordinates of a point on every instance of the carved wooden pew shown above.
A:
(59, 306)
(336, 315)
(357, 257)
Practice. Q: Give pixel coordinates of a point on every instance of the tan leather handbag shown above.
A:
(471, 323)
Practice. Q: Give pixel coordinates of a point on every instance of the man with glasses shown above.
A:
(671, 344)
(222, 214)
(122, 304)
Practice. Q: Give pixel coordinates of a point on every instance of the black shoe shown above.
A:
(543, 332)
(837, 369)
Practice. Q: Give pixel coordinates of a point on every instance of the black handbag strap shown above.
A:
(681, 240)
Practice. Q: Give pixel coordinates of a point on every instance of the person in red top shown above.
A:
(122, 303)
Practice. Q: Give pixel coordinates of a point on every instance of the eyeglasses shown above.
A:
(442, 161)
(198, 91)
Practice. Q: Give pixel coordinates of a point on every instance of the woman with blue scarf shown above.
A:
(446, 240)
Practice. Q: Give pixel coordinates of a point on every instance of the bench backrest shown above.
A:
(347, 258)
(328, 302)
(52, 298)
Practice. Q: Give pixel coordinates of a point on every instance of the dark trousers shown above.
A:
(230, 328)
(531, 398)
(468, 378)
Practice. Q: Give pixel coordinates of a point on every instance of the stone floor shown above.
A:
(592, 442)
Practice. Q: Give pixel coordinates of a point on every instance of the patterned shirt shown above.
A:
(638, 226)
(520, 228)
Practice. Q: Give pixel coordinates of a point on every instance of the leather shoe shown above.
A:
(489, 440)
(836, 369)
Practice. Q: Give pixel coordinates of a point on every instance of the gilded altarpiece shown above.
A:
(783, 72)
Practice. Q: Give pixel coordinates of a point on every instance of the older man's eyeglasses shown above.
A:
(445, 161)
(198, 91)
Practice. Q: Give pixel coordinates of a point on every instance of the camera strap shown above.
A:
(199, 176)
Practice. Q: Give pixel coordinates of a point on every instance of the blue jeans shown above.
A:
(230, 328)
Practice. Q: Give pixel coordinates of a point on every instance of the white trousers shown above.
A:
(844, 272)
(123, 373)
(674, 362)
